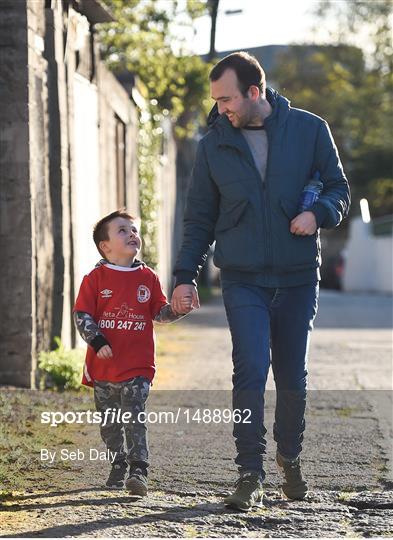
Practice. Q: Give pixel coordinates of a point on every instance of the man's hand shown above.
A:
(304, 224)
(186, 303)
(105, 352)
(184, 299)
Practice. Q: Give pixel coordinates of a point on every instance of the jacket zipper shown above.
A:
(265, 192)
(266, 215)
(263, 201)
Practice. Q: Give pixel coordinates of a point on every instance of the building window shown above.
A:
(120, 148)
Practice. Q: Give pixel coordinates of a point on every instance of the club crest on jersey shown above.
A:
(106, 293)
(143, 294)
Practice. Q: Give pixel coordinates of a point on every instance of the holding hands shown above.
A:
(184, 299)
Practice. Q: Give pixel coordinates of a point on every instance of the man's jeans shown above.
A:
(263, 319)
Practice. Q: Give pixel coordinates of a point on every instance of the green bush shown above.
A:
(61, 369)
(380, 196)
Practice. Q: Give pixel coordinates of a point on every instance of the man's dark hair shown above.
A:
(100, 231)
(248, 70)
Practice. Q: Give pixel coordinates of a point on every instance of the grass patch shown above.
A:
(190, 531)
(345, 412)
(61, 368)
(22, 435)
(346, 496)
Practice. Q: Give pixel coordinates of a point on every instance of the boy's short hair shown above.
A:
(248, 70)
(100, 231)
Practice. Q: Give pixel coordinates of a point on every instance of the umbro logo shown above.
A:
(106, 293)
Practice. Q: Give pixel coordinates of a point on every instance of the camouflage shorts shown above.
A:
(128, 396)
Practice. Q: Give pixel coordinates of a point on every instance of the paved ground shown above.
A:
(347, 451)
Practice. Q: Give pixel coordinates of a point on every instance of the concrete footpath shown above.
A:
(347, 448)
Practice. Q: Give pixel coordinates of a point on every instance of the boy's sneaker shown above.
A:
(136, 482)
(248, 492)
(117, 475)
(294, 487)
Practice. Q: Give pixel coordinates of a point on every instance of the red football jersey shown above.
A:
(123, 302)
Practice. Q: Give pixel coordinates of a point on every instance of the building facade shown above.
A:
(68, 156)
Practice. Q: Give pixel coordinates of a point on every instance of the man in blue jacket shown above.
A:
(250, 171)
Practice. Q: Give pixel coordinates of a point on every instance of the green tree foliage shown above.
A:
(352, 92)
(372, 109)
(382, 195)
(369, 18)
(323, 80)
(141, 40)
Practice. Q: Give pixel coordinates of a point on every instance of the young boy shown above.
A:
(114, 313)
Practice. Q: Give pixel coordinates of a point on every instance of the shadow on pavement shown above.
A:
(177, 514)
(67, 502)
(48, 494)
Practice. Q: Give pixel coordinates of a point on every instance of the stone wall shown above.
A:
(41, 210)
(48, 56)
(115, 111)
(166, 195)
(59, 174)
(16, 291)
(26, 240)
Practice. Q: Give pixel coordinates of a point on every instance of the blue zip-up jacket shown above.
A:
(249, 220)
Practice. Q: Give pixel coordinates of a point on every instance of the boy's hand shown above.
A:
(105, 352)
(181, 299)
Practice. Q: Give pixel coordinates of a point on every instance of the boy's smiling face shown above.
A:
(123, 243)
